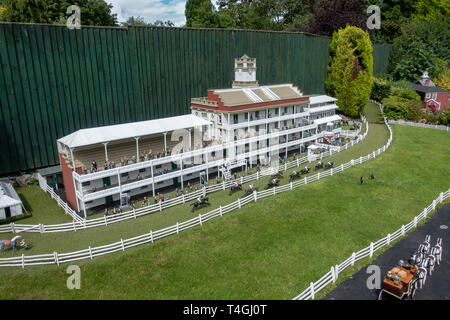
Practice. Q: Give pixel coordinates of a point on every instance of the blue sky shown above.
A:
(150, 10)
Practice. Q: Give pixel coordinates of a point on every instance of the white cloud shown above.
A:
(150, 10)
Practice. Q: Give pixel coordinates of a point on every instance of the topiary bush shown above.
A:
(350, 69)
(380, 89)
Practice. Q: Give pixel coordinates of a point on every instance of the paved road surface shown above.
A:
(437, 286)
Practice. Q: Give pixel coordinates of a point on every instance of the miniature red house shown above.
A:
(433, 97)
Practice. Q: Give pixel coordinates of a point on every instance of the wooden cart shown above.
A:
(400, 282)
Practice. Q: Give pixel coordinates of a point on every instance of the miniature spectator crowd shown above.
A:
(124, 161)
(160, 197)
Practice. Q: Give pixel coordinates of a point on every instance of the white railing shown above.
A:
(160, 206)
(91, 252)
(44, 186)
(332, 275)
(422, 125)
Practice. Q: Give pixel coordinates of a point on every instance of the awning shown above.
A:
(85, 137)
(327, 119)
(321, 99)
(324, 108)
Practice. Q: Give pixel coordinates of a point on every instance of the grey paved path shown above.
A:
(437, 286)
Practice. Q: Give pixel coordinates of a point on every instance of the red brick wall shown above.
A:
(68, 182)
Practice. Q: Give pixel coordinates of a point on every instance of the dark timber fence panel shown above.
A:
(54, 81)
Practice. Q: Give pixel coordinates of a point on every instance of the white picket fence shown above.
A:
(91, 252)
(44, 186)
(79, 223)
(332, 275)
(422, 125)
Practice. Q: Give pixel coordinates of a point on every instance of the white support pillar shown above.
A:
(120, 184)
(190, 139)
(137, 148)
(207, 166)
(106, 150)
(153, 179)
(165, 144)
(84, 210)
(181, 166)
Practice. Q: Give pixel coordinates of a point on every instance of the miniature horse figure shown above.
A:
(417, 258)
(425, 246)
(250, 189)
(437, 250)
(422, 275)
(318, 165)
(236, 186)
(294, 175)
(431, 261)
(305, 170)
(12, 243)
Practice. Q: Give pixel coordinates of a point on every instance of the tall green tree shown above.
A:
(350, 69)
(200, 13)
(93, 12)
(424, 44)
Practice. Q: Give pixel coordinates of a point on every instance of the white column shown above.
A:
(153, 180)
(165, 144)
(207, 166)
(84, 210)
(106, 150)
(120, 184)
(137, 148)
(279, 118)
(286, 145)
(190, 139)
(181, 166)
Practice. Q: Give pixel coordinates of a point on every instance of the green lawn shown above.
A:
(41, 206)
(271, 249)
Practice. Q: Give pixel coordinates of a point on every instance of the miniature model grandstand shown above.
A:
(245, 125)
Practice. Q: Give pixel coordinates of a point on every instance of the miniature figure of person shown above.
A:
(361, 180)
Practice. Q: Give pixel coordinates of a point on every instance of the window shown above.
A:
(235, 118)
(142, 170)
(85, 184)
(246, 116)
(434, 95)
(125, 174)
(428, 95)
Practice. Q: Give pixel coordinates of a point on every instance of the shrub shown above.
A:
(403, 104)
(350, 69)
(380, 89)
(443, 80)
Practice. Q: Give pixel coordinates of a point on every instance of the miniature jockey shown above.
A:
(236, 183)
(250, 187)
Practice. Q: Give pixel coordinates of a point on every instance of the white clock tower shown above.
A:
(245, 72)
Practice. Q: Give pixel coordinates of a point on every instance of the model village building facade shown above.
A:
(245, 125)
